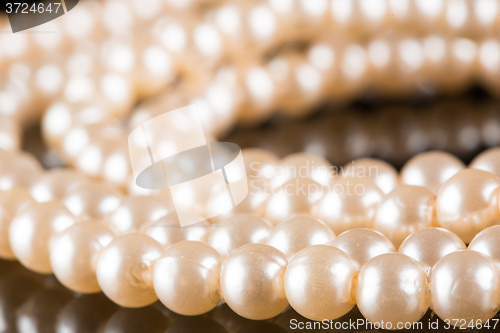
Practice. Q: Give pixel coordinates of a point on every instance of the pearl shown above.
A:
(487, 242)
(429, 245)
(18, 170)
(186, 278)
(430, 169)
(10, 134)
(351, 203)
(303, 165)
(299, 232)
(465, 285)
(392, 288)
(238, 230)
(55, 184)
(382, 173)
(93, 200)
(467, 203)
(134, 212)
(319, 282)
(11, 202)
(74, 253)
(31, 231)
(124, 270)
(404, 211)
(363, 244)
(251, 281)
(488, 160)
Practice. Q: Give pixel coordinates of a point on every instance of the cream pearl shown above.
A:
(186, 278)
(392, 288)
(303, 165)
(93, 200)
(363, 244)
(430, 169)
(429, 245)
(465, 285)
(296, 196)
(124, 270)
(18, 170)
(319, 282)
(238, 230)
(467, 203)
(488, 160)
(382, 173)
(487, 242)
(251, 281)
(167, 230)
(31, 231)
(55, 184)
(135, 211)
(74, 253)
(299, 232)
(11, 202)
(351, 203)
(404, 211)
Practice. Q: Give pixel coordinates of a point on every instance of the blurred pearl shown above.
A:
(465, 285)
(429, 245)
(392, 288)
(134, 212)
(303, 165)
(319, 282)
(488, 160)
(363, 244)
(382, 173)
(487, 242)
(11, 202)
(167, 230)
(238, 230)
(467, 203)
(186, 278)
(251, 281)
(31, 231)
(124, 270)
(430, 169)
(93, 200)
(55, 184)
(74, 253)
(10, 134)
(296, 196)
(299, 232)
(404, 211)
(351, 203)
(18, 170)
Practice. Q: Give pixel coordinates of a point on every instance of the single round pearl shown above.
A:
(351, 203)
(167, 230)
(296, 196)
(392, 288)
(363, 244)
(10, 133)
(74, 253)
(465, 285)
(238, 230)
(55, 184)
(18, 170)
(429, 245)
(31, 231)
(467, 203)
(319, 282)
(251, 281)
(299, 232)
(11, 202)
(124, 270)
(488, 160)
(404, 211)
(382, 173)
(303, 165)
(93, 200)
(430, 169)
(487, 242)
(134, 212)
(186, 278)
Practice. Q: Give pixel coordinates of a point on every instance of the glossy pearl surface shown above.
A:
(382, 173)
(124, 270)
(93, 200)
(488, 160)
(465, 285)
(186, 278)
(303, 165)
(363, 244)
(392, 288)
(299, 232)
(487, 242)
(319, 282)
(251, 281)
(467, 203)
(55, 184)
